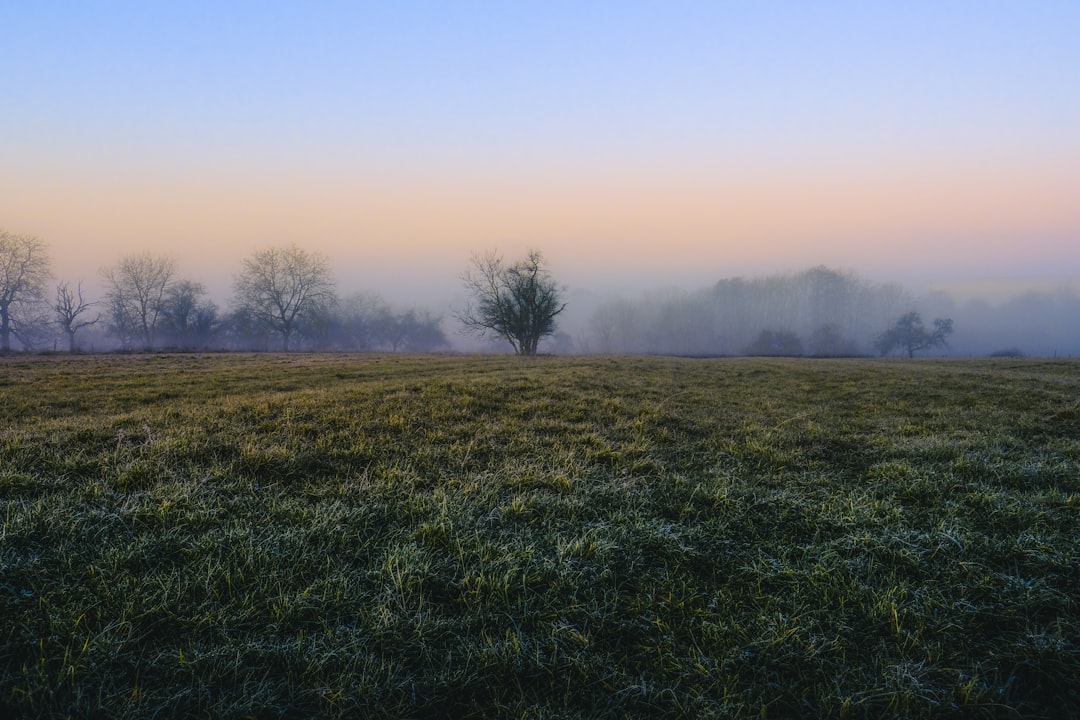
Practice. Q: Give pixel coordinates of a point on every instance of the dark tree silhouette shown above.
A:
(517, 302)
(909, 335)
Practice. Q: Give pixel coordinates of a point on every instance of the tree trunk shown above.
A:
(5, 329)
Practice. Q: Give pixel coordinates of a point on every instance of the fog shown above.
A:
(825, 312)
(818, 311)
(681, 194)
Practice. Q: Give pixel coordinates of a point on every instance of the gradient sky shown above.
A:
(632, 142)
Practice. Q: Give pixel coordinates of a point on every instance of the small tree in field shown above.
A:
(909, 335)
(517, 302)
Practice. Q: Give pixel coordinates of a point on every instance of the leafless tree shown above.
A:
(33, 326)
(279, 287)
(188, 317)
(909, 335)
(359, 314)
(136, 288)
(616, 326)
(517, 302)
(69, 308)
(24, 272)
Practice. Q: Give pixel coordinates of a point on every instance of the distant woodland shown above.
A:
(823, 312)
(287, 299)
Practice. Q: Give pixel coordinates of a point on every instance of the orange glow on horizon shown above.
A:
(629, 219)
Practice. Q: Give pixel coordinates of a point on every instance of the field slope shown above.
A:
(365, 536)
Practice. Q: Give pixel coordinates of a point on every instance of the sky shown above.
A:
(636, 144)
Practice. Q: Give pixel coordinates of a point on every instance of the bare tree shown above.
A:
(358, 314)
(279, 287)
(412, 330)
(616, 325)
(517, 302)
(422, 331)
(32, 325)
(829, 341)
(120, 323)
(909, 335)
(69, 308)
(189, 318)
(24, 271)
(137, 286)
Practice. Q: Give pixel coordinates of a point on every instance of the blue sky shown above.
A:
(550, 73)
(519, 111)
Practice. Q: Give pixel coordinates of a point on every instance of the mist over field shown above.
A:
(803, 439)
(152, 302)
(726, 317)
(650, 150)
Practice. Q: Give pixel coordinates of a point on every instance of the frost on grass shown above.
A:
(339, 536)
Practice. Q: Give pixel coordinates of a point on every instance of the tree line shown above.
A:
(285, 298)
(819, 312)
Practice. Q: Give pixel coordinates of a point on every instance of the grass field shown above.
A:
(365, 536)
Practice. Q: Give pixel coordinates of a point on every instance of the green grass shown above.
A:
(364, 536)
